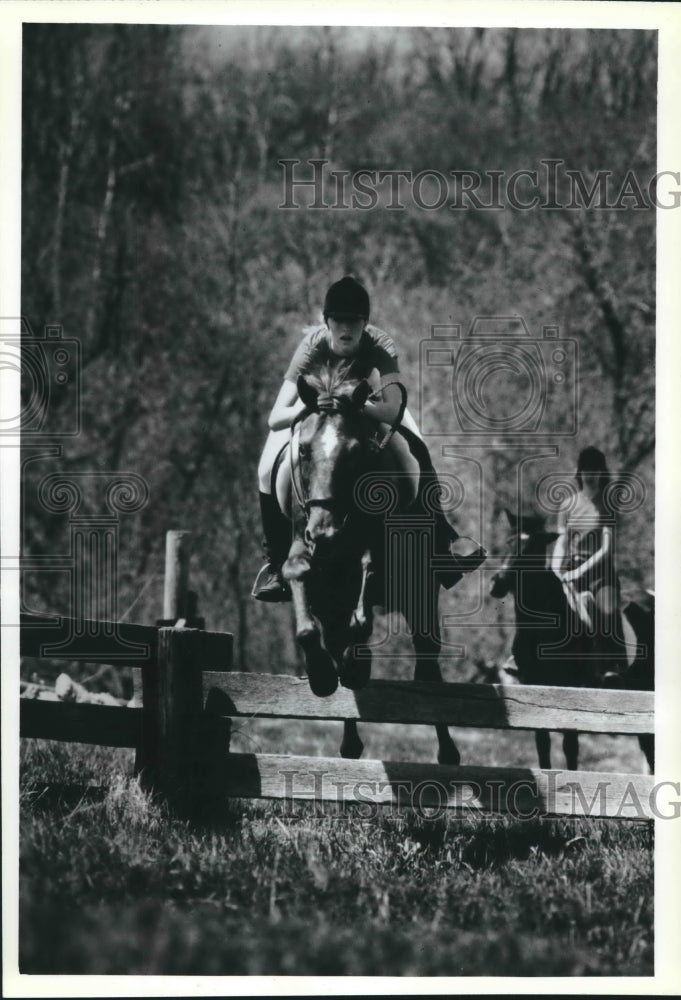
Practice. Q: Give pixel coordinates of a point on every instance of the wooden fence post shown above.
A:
(179, 730)
(182, 753)
(178, 551)
(146, 681)
(192, 744)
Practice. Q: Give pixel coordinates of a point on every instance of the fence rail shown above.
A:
(98, 725)
(525, 792)
(104, 642)
(188, 698)
(482, 706)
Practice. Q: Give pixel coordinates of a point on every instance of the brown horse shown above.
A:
(639, 675)
(336, 567)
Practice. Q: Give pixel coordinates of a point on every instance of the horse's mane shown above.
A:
(329, 379)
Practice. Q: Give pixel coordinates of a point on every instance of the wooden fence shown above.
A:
(189, 696)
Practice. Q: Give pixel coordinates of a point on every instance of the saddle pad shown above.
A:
(276, 465)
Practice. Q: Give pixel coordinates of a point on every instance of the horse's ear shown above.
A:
(361, 394)
(512, 519)
(307, 393)
(550, 536)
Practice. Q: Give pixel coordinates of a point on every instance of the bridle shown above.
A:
(391, 380)
(299, 490)
(326, 404)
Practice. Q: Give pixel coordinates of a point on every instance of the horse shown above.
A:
(336, 563)
(639, 674)
(545, 618)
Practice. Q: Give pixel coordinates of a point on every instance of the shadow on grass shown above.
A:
(153, 938)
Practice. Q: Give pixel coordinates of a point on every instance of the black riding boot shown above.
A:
(269, 585)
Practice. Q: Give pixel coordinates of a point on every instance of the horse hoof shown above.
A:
(354, 673)
(321, 672)
(351, 750)
(449, 754)
(322, 677)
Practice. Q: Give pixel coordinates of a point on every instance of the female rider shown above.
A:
(346, 338)
(583, 556)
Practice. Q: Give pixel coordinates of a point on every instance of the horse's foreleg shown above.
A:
(447, 750)
(319, 664)
(543, 740)
(351, 746)
(355, 669)
(571, 750)
(646, 741)
(321, 672)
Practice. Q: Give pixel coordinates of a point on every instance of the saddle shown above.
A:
(276, 465)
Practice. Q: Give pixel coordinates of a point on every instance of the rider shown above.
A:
(346, 337)
(583, 556)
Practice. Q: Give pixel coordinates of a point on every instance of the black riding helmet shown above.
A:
(592, 460)
(347, 297)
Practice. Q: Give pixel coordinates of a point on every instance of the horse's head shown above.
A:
(334, 448)
(526, 550)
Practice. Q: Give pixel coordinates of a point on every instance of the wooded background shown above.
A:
(152, 233)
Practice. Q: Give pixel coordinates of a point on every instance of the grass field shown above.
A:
(113, 885)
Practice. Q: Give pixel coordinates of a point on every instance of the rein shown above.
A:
(400, 413)
(294, 441)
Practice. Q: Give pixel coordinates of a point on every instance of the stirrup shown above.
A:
(270, 587)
